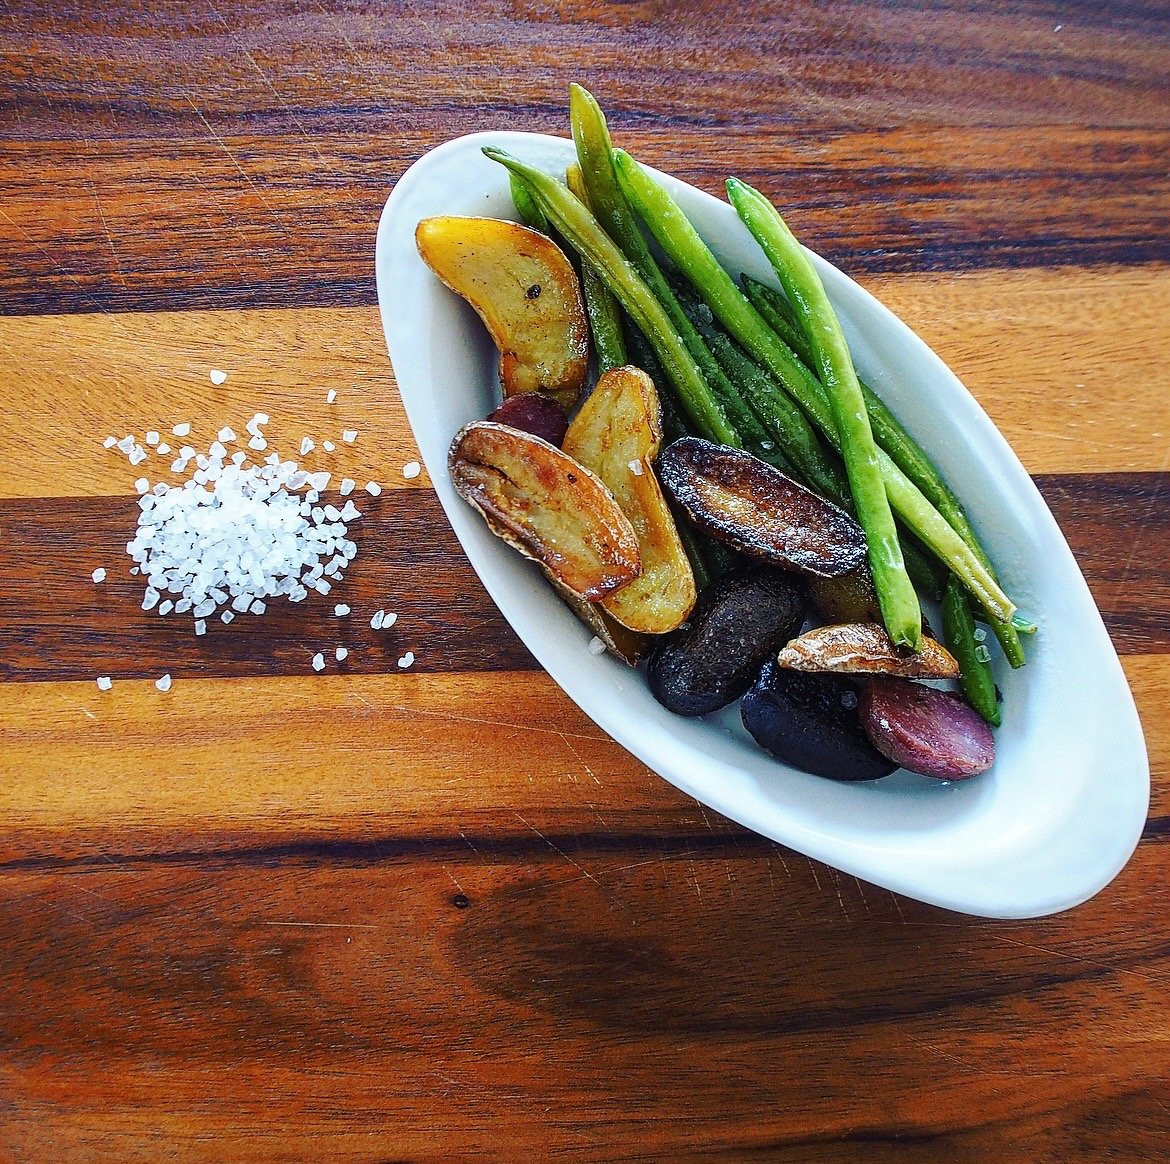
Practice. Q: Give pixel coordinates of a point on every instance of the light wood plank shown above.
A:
(397, 755)
(1070, 363)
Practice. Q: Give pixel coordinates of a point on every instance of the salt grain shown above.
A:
(377, 621)
(635, 467)
(341, 610)
(307, 446)
(349, 435)
(152, 438)
(200, 627)
(226, 434)
(411, 469)
(125, 445)
(216, 376)
(141, 485)
(390, 619)
(163, 683)
(596, 646)
(342, 654)
(163, 449)
(407, 660)
(331, 396)
(258, 443)
(138, 455)
(346, 486)
(182, 430)
(104, 682)
(318, 662)
(99, 575)
(109, 442)
(328, 446)
(373, 488)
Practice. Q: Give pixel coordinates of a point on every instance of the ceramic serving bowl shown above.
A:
(1061, 811)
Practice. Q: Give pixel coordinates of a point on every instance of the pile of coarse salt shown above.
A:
(235, 535)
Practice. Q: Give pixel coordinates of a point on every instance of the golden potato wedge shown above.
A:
(526, 292)
(864, 648)
(617, 433)
(548, 506)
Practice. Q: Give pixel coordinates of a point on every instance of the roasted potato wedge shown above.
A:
(617, 433)
(864, 648)
(526, 292)
(547, 505)
(756, 509)
(623, 644)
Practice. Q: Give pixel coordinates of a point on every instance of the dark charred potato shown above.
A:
(811, 722)
(864, 648)
(925, 730)
(536, 413)
(755, 508)
(546, 505)
(740, 621)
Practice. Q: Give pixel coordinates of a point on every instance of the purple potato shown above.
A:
(925, 730)
(809, 720)
(713, 658)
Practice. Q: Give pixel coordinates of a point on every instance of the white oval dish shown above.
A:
(1063, 808)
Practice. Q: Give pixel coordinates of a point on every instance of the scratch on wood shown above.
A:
(105, 225)
(589, 771)
(234, 161)
(323, 925)
(1078, 958)
(560, 853)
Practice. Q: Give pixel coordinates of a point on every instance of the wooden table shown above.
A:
(433, 912)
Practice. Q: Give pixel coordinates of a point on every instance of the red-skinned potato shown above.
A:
(617, 433)
(533, 412)
(527, 293)
(546, 505)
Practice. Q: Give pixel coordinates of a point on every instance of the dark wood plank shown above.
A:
(55, 623)
(589, 1004)
(269, 137)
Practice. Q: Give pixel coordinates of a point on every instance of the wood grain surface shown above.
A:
(433, 912)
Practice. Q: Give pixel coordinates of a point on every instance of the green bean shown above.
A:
(731, 307)
(907, 454)
(584, 234)
(605, 316)
(530, 214)
(605, 198)
(783, 419)
(962, 639)
(899, 604)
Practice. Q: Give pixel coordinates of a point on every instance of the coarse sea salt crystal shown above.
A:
(342, 654)
(227, 434)
(104, 682)
(217, 376)
(349, 435)
(407, 660)
(307, 445)
(373, 488)
(181, 430)
(141, 485)
(346, 487)
(390, 619)
(152, 438)
(109, 442)
(341, 609)
(596, 646)
(163, 682)
(378, 620)
(318, 662)
(99, 575)
(200, 627)
(328, 446)
(331, 396)
(138, 455)
(163, 449)
(411, 469)
(635, 467)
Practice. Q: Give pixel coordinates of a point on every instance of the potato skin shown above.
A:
(547, 506)
(533, 412)
(811, 721)
(759, 511)
(738, 623)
